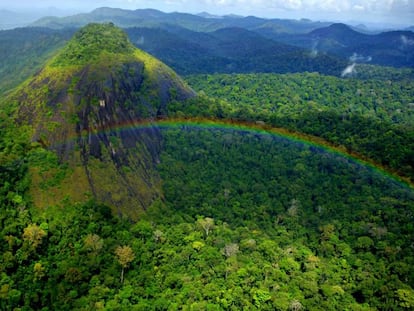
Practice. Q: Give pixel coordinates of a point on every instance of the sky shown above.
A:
(393, 12)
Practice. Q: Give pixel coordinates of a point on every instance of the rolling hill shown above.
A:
(193, 44)
(25, 50)
(392, 48)
(229, 50)
(121, 189)
(154, 18)
(226, 50)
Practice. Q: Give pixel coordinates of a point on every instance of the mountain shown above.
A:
(76, 106)
(340, 33)
(247, 205)
(11, 19)
(207, 15)
(23, 51)
(22, 18)
(229, 50)
(202, 22)
(193, 44)
(391, 48)
(126, 18)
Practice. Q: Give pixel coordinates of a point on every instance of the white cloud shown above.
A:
(406, 41)
(372, 7)
(348, 70)
(358, 7)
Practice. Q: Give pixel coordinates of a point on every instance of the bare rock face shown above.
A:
(87, 107)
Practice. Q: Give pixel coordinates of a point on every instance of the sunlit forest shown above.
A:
(156, 161)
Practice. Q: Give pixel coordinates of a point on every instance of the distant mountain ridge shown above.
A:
(391, 48)
(10, 19)
(201, 22)
(395, 48)
(228, 44)
(229, 50)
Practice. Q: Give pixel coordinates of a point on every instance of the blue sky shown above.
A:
(398, 12)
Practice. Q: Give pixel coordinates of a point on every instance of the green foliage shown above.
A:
(331, 225)
(97, 82)
(229, 50)
(249, 222)
(245, 221)
(24, 50)
(370, 117)
(90, 42)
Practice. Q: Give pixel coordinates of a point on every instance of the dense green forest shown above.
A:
(248, 221)
(234, 218)
(23, 51)
(228, 49)
(372, 117)
(389, 48)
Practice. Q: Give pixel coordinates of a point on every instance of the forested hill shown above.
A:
(70, 110)
(23, 51)
(372, 117)
(391, 48)
(155, 18)
(230, 50)
(108, 203)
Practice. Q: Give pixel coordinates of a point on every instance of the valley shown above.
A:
(184, 162)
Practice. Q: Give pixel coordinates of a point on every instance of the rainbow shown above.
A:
(262, 129)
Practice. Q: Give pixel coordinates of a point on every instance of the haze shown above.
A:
(380, 12)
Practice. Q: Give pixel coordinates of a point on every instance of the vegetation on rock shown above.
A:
(96, 214)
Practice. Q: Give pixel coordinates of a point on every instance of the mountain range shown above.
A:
(201, 23)
(208, 44)
(392, 48)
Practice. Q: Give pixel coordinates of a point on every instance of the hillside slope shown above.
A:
(76, 107)
(229, 50)
(23, 51)
(391, 48)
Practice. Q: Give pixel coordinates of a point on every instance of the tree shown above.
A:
(260, 297)
(33, 235)
(39, 271)
(125, 256)
(230, 249)
(207, 224)
(158, 235)
(327, 231)
(93, 243)
(295, 305)
(405, 298)
(294, 208)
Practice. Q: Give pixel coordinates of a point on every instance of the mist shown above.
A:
(349, 70)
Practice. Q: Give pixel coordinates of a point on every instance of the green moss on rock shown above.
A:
(97, 83)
